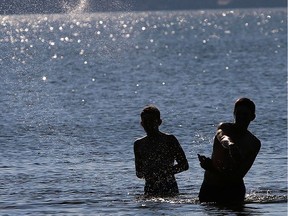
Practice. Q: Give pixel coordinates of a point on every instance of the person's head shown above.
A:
(244, 112)
(150, 119)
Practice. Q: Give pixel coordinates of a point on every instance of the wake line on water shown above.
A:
(269, 199)
(265, 199)
(250, 198)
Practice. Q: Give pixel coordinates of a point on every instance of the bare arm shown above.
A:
(241, 159)
(219, 163)
(248, 162)
(223, 135)
(138, 161)
(182, 163)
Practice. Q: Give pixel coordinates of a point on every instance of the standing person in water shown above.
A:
(155, 155)
(234, 151)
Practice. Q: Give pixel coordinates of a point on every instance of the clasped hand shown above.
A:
(205, 162)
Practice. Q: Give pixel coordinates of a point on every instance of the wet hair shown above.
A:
(245, 102)
(151, 110)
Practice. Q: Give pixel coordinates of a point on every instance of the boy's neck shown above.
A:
(153, 134)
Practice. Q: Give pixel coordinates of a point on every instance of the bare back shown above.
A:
(156, 156)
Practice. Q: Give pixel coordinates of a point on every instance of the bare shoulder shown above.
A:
(139, 142)
(225, 125)
(172, 141)
(225, 128)
(169, 137)
(256, 141)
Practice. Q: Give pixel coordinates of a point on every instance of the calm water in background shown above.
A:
(72, 87)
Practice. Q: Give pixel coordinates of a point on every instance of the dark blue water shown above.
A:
(72, 87)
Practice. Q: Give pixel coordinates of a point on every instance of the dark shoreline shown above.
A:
(9, 7)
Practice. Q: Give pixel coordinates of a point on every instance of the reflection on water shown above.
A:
(72, 87)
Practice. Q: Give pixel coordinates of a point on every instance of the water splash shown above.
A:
(172, 200)
(261, 197)
(265, 197)
(84, 6)
(75, 8)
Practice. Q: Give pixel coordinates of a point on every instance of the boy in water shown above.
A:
(155, 155)
(234, 151)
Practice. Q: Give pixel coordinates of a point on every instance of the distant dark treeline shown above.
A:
(64, 6)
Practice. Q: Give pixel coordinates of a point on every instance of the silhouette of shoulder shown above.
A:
(225, 125)
(256, 142)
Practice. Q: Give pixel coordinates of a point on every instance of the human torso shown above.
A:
(157, 153)
(222, 161)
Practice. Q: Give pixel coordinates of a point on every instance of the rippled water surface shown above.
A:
(72, 87)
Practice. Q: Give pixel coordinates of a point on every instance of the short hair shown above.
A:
(245, 102)
(151, 110)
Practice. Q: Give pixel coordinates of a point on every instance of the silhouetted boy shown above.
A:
(155, 155)
(234, 151)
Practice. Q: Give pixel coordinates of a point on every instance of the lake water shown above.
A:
(73, 85)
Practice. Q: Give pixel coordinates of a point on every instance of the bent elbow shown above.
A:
(186, 166)
(139, 175)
